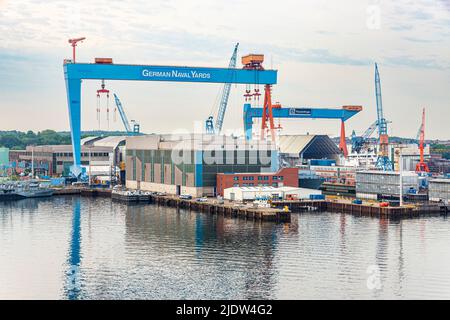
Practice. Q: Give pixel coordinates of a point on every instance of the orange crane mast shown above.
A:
(422, 166)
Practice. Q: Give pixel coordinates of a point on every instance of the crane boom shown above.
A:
(123, 116)
(381, 121)
(359, 141)
(383, 161)
(422, 166)
(217, 126)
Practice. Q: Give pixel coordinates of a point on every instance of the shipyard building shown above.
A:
(439, 190)
(373, 184)
(55, 160)
(189, 163)
(298, 149)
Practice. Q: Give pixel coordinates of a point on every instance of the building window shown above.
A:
(236, 178)
(236, 185)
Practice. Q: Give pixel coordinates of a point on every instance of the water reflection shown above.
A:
(81, 248)
(73, 284)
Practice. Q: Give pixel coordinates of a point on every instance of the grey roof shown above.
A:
(294, 144)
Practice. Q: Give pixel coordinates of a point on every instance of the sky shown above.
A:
(324, 52)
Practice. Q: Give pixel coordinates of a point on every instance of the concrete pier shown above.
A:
(367, 209)
(276, 214)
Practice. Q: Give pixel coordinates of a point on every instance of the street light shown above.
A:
(89, 174)
(32, 161)
(401, 177)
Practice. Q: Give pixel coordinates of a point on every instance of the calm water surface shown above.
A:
(83, 248)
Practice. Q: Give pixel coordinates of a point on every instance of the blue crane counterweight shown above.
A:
(383, 161)
(212, 128)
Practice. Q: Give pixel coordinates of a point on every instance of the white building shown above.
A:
(373, 183)
(439, 190)
(252, 193)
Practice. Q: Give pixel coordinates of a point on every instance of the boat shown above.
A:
(309, 179)
(8, 192)
(33, 190)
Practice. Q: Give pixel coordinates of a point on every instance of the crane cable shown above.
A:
(98, 110)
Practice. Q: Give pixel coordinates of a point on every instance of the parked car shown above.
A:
(160, 193)
(185, 196)
(202, 199)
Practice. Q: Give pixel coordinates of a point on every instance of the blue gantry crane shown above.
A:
(105, 69)
(344, 113)
(132, 127)
(215, 128)
(383, 161)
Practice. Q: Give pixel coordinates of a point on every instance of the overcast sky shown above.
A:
(323, 50)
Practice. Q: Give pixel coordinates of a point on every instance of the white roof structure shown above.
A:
(88, 139)
(195, 142)
(112, 141)
(250, 193)
(293, 144)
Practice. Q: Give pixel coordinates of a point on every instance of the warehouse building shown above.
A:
(281, 193)
(297, 149)
(54, 160)
(439, 190)
(372, 184)
(4, 156)
(283, 177)
(189, 163)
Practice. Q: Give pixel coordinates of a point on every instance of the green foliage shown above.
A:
(17, 140)
(441, 149)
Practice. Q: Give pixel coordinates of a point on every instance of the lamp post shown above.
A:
(89, 173)
(401, 177)
(32, 162)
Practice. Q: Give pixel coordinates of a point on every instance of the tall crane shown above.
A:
(211, 127)
(422, 167)
(383, 161)
(73, 43)
(131, 127)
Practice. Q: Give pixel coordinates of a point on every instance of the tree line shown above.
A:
(17, 140)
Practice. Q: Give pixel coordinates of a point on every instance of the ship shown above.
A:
(309, 179)
(17, 191)
(33, 190)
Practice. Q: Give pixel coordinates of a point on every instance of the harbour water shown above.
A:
(93, 248)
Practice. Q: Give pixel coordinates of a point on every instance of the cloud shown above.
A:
(319, 55)
(408, 61)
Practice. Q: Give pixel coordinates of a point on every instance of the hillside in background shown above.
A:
(17, 140)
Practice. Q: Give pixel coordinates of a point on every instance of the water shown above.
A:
(83, 248)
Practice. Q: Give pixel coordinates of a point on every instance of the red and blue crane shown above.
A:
(383, 161)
